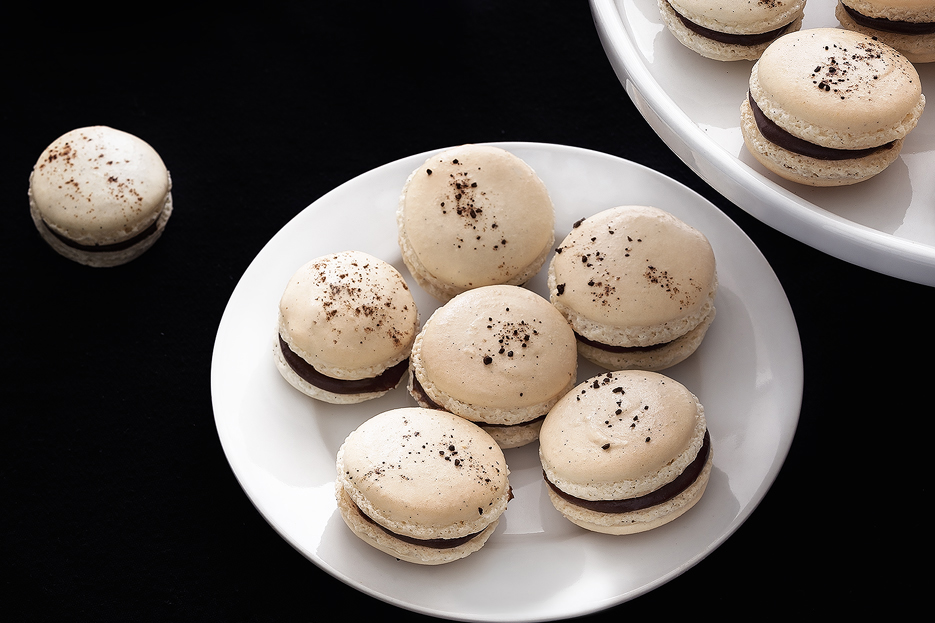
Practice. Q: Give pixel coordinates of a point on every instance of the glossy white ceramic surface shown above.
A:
(281, 445)
(885, 224)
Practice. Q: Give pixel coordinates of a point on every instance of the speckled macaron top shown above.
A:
(472, 216)
(99, 186)
(424, 473)
(620, 435)
(349, 314)
(633, 276)
(898, 10)
(837, 88)
(498, 354)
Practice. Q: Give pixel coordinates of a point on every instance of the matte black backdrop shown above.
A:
(118, 502)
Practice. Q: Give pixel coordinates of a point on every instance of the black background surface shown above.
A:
(118, 502)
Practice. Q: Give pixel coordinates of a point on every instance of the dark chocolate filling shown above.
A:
(380, 383)
(731, 38)
(660, 495)
(423, 398)
(433, 543)
(101, 248)
(618, 349)
(527, 422)
(890, 25)
(784, 139)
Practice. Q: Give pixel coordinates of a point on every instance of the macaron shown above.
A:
(422, 485)
(100, 196)
(906, 25)
(830, 107)
(473, 216)
(637, 285)
(346, 326)
(730, 30)
(500, 356)
(625, 452)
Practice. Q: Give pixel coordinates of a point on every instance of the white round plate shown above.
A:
(281, 445)
(885, 224)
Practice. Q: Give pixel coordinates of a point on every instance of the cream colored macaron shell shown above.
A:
(495, 355)
(635, 277)
(100, 196)
(421, 474)
(350, 316)
(739, 29)
(619, 436)
(836, 89)
(918, 47)
(473, 216)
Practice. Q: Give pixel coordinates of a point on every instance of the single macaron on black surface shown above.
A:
(347, 322)
(830, 107)
(731, 30)
(625, 452)
(422, 485)
(100, 196)
(499, 356)
(906, 25)
(472, 216)
(637, 285)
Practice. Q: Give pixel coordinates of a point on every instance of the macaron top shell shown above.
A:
(638, 269)
(425, 473)
(621, 435)
(349, 314)
(476, 215)
(837, 88)
(740, 17)
(900, 10)
(498, 347)
(98, 186)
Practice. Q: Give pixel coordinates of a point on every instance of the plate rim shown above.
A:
(797, 391)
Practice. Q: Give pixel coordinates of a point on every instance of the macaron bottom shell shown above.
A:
(307, 388)
(101, 258)
(807, 170)
(653, 358)
(383, 540)
(515, 435)
(635, 521)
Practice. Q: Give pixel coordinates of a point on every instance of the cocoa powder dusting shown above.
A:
(352, 293)
(838, 74)
(464, 199)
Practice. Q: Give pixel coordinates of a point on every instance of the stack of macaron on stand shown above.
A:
(825, 106)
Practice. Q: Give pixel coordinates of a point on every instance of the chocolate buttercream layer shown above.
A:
(526, 423)
(618, 349)
(422, 396)
(889, 25)
(104, 248)
(660, 495)
(784, 139)
(380, 383)
(731, 38)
